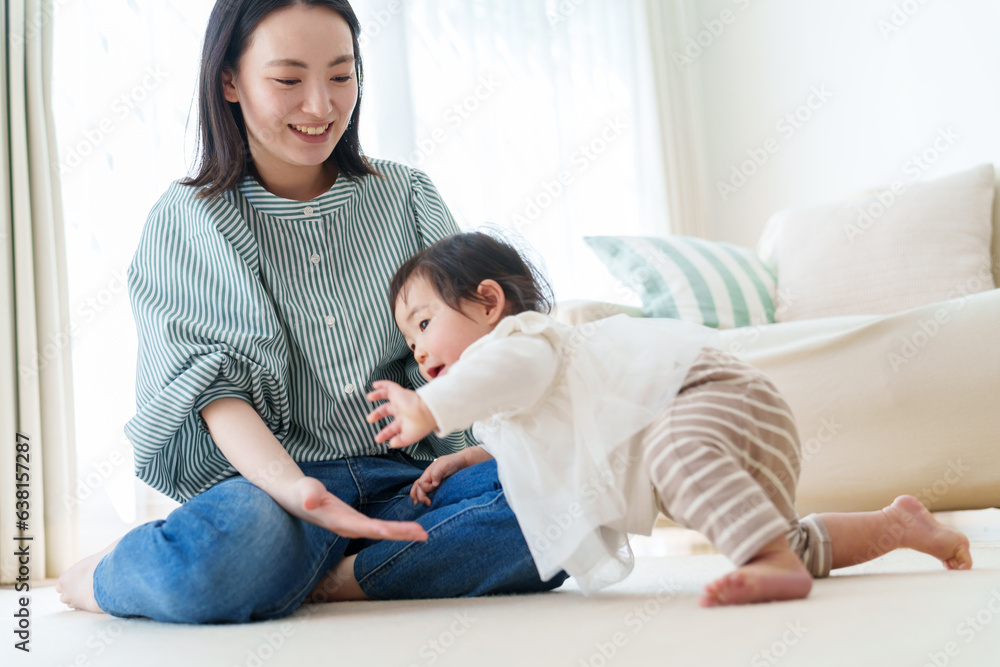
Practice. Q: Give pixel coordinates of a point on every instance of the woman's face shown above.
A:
(297, 87)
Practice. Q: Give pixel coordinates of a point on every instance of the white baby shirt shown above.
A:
(562, 409)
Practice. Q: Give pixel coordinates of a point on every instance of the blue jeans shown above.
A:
(232, 554)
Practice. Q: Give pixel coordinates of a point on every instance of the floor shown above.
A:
(901, 609)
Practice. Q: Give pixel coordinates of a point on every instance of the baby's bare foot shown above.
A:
(916, 528)
(774, 574)
(76, 585)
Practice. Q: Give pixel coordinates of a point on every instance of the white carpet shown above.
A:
(902, 609)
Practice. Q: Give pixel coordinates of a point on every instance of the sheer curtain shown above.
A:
(535, 116)
(124, 78)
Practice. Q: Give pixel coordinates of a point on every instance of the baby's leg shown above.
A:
(861, 536)
(725, 460)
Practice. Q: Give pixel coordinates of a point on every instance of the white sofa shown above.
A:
(885, 404)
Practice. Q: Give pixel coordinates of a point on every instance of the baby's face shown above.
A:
(435, 332)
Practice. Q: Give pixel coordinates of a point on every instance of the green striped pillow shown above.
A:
(711, 283)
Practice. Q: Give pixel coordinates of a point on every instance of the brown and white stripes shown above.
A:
(724, 457)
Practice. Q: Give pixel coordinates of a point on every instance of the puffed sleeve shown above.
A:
(206, 330)
(496, 376)
(434, 222)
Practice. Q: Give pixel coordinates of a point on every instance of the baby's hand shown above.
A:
(412, 421)
(441, 469)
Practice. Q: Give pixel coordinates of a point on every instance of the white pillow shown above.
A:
(908, 246)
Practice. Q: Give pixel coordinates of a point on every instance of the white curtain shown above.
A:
(669, 28)
(36, 404)
(124, 79)
(535, 116)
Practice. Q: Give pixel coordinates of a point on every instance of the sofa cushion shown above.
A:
(715, 284)
(910, 245)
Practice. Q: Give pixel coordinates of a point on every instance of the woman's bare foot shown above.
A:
(919, 530)
(775, 573)
(76, 585)
(339, 585)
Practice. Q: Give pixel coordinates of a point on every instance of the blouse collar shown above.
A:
(340, 193)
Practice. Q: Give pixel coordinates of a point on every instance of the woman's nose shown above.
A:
(317, 102)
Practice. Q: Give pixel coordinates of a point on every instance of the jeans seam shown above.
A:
(358, 483)
(370, 575)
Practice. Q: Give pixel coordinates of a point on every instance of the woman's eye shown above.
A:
(423, 324)
(287, 82)
(342, 79)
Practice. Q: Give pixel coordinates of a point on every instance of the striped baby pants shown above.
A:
(724, 458)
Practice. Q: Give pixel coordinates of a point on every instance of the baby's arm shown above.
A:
(505, 376)
(244, 439)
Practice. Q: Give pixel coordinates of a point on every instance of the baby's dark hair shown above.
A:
(457, 264)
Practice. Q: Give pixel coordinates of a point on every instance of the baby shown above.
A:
(595, 428)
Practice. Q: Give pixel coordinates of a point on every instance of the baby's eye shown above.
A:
(423, 324)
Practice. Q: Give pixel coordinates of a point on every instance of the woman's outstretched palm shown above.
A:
(324, 509)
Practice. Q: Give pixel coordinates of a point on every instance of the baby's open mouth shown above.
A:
(434, 372)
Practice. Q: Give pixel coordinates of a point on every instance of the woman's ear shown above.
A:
(493, 293)
(229, 85)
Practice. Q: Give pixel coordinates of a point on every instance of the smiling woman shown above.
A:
(291, 106)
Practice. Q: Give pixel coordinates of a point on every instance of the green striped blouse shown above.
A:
(280, 303)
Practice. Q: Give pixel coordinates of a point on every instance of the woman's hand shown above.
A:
(319, 506)
(412, 421)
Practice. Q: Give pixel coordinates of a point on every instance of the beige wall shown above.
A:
(887, 80)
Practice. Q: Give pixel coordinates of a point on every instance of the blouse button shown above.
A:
(348, 388)
(330, 320)
(315, 258)
(308, 210)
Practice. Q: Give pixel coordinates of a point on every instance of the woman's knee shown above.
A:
(217, 556)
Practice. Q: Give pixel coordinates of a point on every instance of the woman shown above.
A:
(258, 292)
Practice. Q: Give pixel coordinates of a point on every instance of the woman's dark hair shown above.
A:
(457, 264)
(224, 155)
